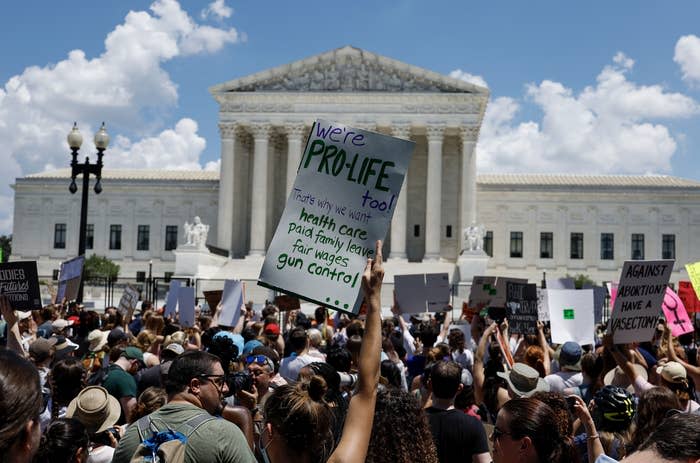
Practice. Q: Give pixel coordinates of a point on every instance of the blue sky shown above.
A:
(613, 86)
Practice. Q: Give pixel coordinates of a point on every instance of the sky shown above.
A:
(594, 87)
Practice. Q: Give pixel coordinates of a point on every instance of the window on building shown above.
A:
(577, 245)
(668, 246)
(143, 236)
(115, 237)
(140, 277)
(607, 246)
(448, 231)
(637, 246)
(488, 243)
(90, 236)
(54, 274)
(170, 237)
(546, 245)
(516, 244)
(59, 236)
(416, 230)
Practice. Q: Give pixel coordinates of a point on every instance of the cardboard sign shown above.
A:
(422, 292)
(560, 283)
(688, 296)
(128, 301)
(69, 279)
(20, 285)
(171, 300)
(213, 298)
(676, 315)
(185, 304)
(344, 196)
(483, 289)
(542, 305)
(499, 299)
(231, 302)
(694, 275)
(638, 302)
(286, 303)
(571, 315)
(521, 302)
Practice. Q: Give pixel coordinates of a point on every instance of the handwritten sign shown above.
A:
(638, 302)
(20, 285)
(483, 289)
(571, 315)
(69, 279)
(694, 275)
(231, 302)
(688, 296)
(499, 299)
(342, 201)
(542, 305)
(128, 301)
(521, 302)
(676, 315)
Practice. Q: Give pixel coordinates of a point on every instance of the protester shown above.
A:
(150, 400)
(98, 412)
(120, 380)
(65, 441)
(569, 375)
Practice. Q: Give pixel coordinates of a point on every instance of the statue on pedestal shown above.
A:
(196, 233)
(474, 237)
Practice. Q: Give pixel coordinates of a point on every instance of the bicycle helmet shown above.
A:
(615, 405)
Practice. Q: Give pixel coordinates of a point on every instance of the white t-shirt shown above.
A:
(564, 379)
(102, 454)
(291, 366)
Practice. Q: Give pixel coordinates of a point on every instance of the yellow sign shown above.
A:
(694, 275)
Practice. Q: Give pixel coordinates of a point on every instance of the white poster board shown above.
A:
(422, 292)
(638, 301)
(542, 305)
(482, 290)
(571, 315)
(185, 304)
(231, 302)
(347, 187)
(171, 299)
(438, 290)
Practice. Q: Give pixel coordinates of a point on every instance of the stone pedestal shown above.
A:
(471, 263)
(193, 262)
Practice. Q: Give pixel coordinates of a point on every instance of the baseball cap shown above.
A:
(133, 353)
(60, 325)
(175, 348)
(116, 335)
(40, 349)
(272, 328)
(673, 372)
(570, 356)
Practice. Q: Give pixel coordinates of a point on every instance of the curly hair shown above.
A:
(534, 357)
(400, 432)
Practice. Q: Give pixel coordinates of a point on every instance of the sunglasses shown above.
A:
(217, 380)
(261, 360)
(498, 433)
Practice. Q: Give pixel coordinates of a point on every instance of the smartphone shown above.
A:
(570, 402)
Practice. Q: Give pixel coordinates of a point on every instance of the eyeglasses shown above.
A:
(260, 359)
(497, 433)
(217, 380)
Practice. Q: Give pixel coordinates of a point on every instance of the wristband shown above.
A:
(593, 437)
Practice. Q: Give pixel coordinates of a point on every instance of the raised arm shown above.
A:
(595, 447)
(354, 441)
(14, 338)
(692, 370)
(478, 373)
(544, 346)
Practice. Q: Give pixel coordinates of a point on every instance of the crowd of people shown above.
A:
(78, 386)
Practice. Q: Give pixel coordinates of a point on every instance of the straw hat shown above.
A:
(95, 409)
(617, 377)
(97, 339)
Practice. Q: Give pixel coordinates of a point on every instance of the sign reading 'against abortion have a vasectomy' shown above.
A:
(344, 196)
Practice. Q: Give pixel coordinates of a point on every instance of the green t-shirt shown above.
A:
(119, 383)
(216, 440)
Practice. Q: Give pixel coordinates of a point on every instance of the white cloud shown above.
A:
(126, 86)
(467, 77)
(611, 127)
(217, 9)
(687, 55)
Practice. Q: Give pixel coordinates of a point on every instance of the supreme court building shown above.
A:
(568, 223)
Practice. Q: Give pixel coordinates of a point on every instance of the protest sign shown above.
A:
(483, 289)
(638, 303)
(599, 294)
(542, 305)
(185, 305)
(171, 299)
(612, 291)
(422, 292)
(499, 299)
(468, 312)
(286, 303)
(69, 279)
(688, 296)
(560, 283)
(128, 301)
(342, 201)
(521, 302)
(676, 315)
(231, 302)
(20, 285)
(694, 275)
(213, 298)
(571, 315)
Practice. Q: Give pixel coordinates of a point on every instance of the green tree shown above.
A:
(6, 246)
(99, 267)
(581, 279)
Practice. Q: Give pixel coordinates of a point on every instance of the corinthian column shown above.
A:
(467, 187)
(433, 205)
(224, 231)
(294, 132)
(398, 222)
(261, 133)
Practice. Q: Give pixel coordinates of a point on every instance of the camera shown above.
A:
(240, 381)
(102, 438)
(497, 314)
(347, 379)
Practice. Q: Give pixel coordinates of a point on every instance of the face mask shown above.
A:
(263, 448)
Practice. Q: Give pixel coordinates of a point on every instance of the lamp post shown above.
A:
(150, 281)
(75, 139)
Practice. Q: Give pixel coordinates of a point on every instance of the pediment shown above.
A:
(348, 69)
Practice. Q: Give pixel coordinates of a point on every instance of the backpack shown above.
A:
(166, 446)
(98, 378)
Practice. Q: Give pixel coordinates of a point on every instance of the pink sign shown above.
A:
(676, 315)
(612, 289)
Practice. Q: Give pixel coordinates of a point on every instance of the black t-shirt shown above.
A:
(457, 435)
